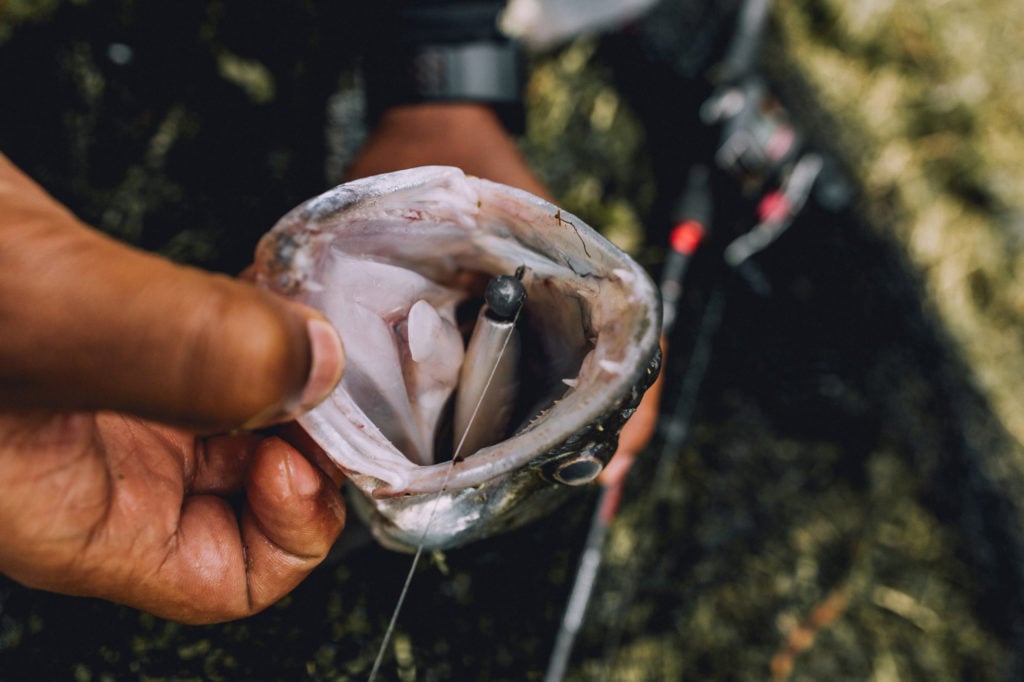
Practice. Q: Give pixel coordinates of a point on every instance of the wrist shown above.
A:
(450, 52)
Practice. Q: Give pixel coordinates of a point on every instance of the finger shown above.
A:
(618, 467)
(294, 435)
(219, 570)
(636, 433)
(220, 463)
(293, 515)
(92, 324)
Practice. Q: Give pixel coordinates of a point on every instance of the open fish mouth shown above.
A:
(400, 263)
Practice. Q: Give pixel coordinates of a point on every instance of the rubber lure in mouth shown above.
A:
(489, 382)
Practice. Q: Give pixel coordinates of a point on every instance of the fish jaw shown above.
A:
(453, 517)
(591, 312)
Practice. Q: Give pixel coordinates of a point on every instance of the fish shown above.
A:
(401, 264)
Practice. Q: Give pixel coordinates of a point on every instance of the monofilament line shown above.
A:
(430, 518)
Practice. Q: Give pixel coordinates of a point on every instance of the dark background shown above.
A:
(844, 479)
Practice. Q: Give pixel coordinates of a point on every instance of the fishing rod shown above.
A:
(675, 426)
(675, 432)
(732, 107)
(693, 213)
(760, 147)
(776, 212)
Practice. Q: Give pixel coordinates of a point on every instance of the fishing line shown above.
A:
(378, 661)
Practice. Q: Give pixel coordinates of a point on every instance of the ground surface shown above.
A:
(847, 505)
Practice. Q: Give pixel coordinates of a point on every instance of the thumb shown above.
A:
(89, 324)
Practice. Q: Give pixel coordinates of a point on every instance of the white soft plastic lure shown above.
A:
(399, 264)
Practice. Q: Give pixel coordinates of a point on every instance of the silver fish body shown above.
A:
(398, 262)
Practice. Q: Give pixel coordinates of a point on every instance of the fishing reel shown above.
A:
(758, 140)
(762, 148)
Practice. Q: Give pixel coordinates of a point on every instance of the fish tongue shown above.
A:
(435, 357)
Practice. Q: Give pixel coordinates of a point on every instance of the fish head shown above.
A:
(399, 264)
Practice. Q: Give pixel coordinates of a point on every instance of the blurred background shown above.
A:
(848, 505)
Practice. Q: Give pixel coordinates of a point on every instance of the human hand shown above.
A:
(637, 432)
(471, 137)
(97, 501)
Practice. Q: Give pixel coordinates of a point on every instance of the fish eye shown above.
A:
(578, 471)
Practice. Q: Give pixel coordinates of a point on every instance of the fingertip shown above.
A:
(297, 505)
(305, 482)
(327, 365)
(299, 439)
(617, 468)
(293, 516)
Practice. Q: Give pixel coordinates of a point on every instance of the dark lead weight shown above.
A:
(504, 296)
(488, 381)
